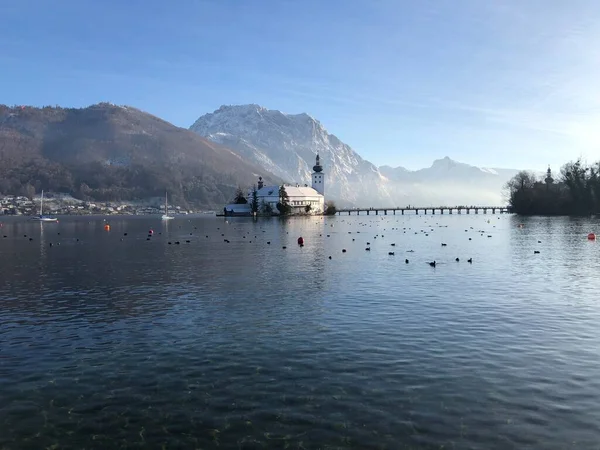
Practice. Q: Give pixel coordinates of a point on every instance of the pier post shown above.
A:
(376, 212)
(385, 212)
(402, 212)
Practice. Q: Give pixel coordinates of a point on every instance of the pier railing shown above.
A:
(427, 209)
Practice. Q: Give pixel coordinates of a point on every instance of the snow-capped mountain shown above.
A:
(286, 145)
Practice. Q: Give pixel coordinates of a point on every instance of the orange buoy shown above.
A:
(592, 237)
(107, 227)
(300, 240)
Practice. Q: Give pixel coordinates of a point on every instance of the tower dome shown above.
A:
(317, 167)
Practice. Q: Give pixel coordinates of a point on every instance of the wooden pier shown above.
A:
(427, 209)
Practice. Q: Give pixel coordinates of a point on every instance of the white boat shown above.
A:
(41, 217)
(166, 215)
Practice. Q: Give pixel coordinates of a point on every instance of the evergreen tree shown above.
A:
(240, 198)
(576, 193)
(284, 202)
(254, 203)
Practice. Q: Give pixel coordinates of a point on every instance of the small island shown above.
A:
(575, 193)
(282, 200)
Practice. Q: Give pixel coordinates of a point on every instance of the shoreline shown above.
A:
(27, 217)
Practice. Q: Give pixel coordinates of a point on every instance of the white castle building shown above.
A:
(299, 197)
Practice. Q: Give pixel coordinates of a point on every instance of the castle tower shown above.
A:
(318, 178)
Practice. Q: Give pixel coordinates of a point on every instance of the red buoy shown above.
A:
(150, 231)
(592, 237)
(300, 240)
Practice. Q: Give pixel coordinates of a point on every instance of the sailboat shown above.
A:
(41, 217)
(166, 215)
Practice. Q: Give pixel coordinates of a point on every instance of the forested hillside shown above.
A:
(109, 152)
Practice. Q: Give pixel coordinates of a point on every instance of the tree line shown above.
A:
(575, 191)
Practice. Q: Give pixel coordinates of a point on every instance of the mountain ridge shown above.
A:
(110, 152)
(286, 145)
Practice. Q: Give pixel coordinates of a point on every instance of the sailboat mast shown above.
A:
(166, 208)
(42, 203)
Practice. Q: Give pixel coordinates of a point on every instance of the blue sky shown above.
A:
(500, 83)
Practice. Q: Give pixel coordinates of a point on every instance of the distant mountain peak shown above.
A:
(228, 116)
(251, 107)
(445, 161)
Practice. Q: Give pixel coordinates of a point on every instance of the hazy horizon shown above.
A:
(503, 84)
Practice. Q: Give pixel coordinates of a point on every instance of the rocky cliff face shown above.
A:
(286, 145)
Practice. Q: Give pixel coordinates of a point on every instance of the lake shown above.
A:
(110, 340)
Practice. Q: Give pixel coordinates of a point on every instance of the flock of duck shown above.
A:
(404, 230)
(425, 231)
(246, 235)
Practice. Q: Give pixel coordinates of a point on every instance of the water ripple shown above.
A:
(113, 341)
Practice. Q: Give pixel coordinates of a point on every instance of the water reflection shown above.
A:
(113, 340)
